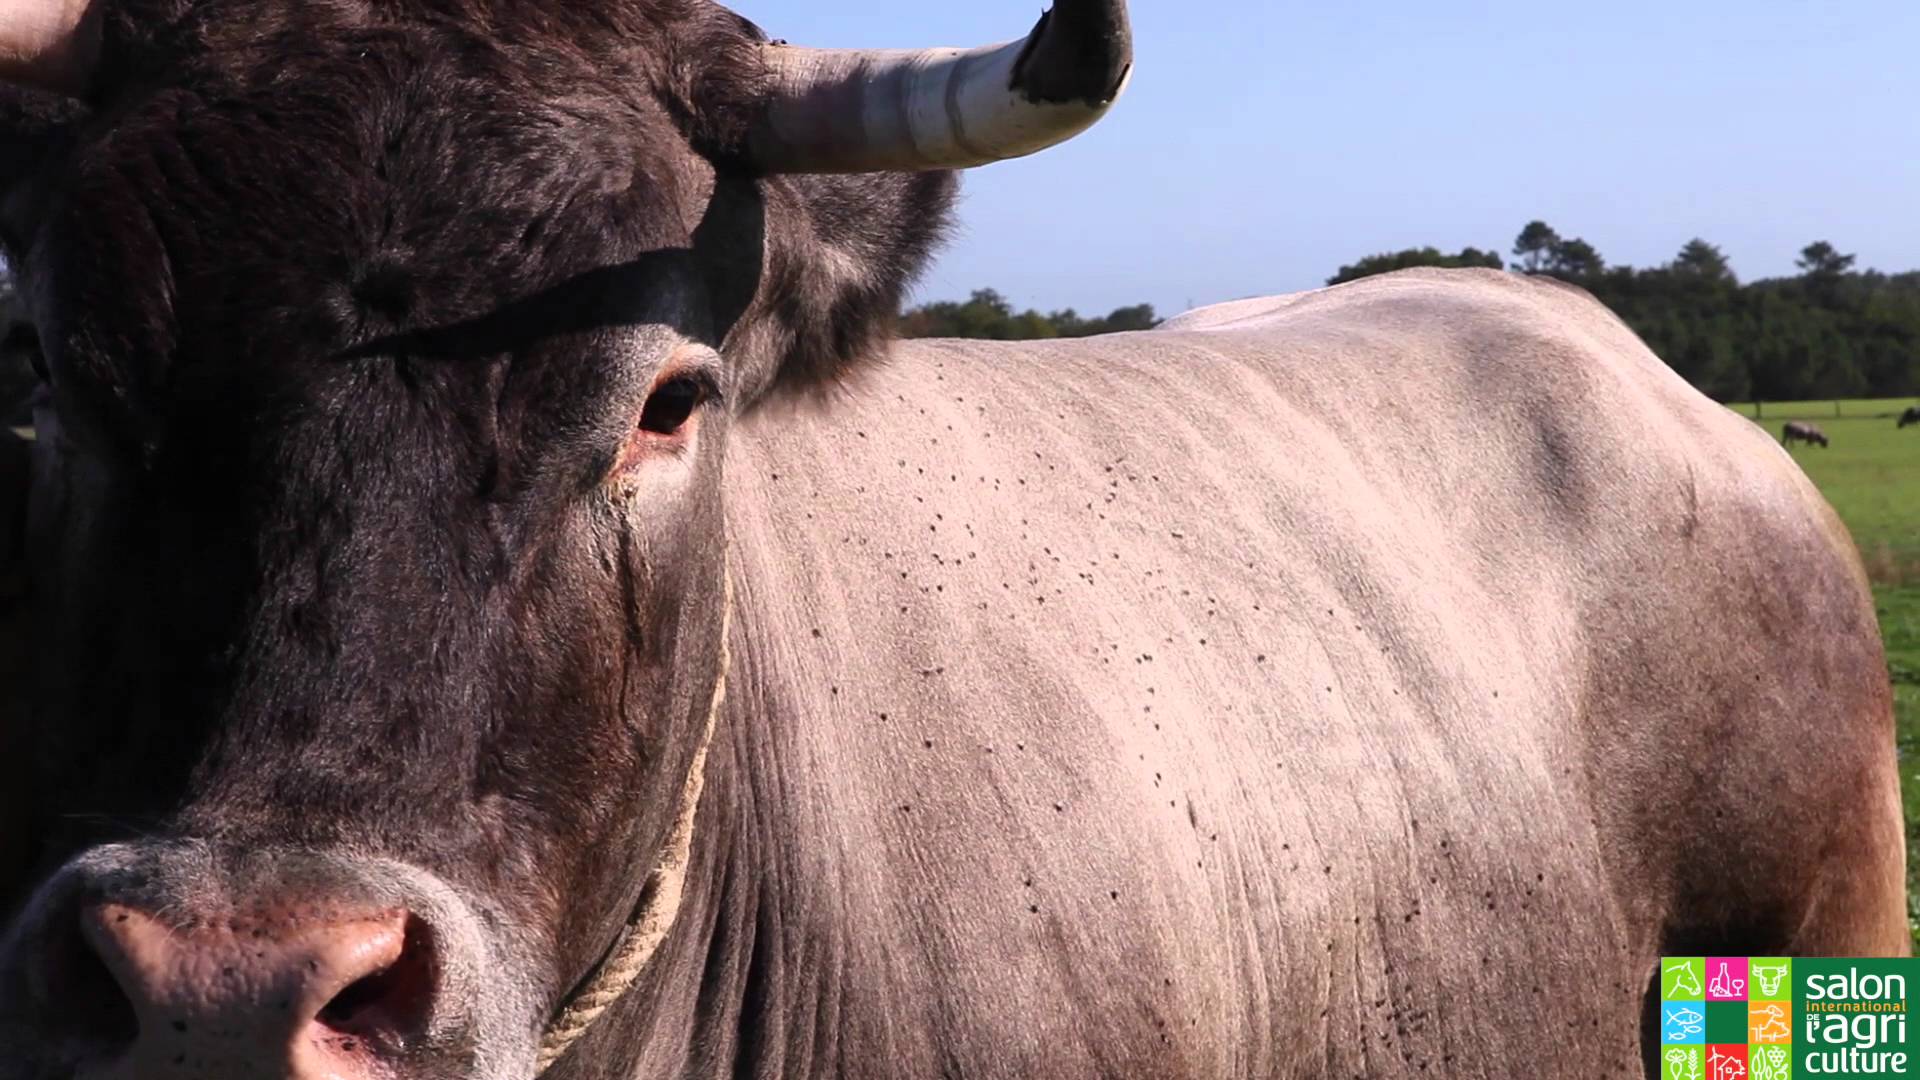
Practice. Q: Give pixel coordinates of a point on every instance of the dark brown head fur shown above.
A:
(337, 540)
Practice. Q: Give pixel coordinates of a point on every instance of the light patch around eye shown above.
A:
(668, 420)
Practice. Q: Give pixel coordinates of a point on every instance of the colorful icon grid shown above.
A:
(1726, 1018)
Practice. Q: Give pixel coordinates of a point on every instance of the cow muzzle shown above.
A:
(144, 965)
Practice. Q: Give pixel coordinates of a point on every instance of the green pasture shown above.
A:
(1870, 472)
(1871, 475)
(1899, 607)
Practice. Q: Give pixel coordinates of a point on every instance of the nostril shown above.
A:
(294, 966)
(393, 1005)
(286, 974)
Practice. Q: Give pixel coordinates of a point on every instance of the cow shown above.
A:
(1910, 416)
(493, 602)
(1802, 431)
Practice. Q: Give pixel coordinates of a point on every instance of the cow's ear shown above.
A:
(807, 273)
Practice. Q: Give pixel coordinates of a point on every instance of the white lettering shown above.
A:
(1854, 1061)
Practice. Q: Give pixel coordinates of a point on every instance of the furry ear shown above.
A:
(807, 272)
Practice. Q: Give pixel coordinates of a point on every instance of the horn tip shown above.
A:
(1080, 51)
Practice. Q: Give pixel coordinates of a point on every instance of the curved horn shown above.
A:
(50, 44)
(860, 110)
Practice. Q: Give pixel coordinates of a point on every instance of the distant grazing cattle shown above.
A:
(501, 606)
(1801, 431)
(1911, 416)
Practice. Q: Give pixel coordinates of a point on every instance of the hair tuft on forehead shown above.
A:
(502, 143)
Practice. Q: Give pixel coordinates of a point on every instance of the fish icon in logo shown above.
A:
(1680, 1024)
(1770, 976)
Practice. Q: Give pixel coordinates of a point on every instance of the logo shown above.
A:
(1775, 1018)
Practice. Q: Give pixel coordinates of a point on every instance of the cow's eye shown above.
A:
(671, 405)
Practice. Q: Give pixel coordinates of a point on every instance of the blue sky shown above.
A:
(1265, 142)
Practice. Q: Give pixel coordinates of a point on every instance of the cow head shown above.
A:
(370, 536)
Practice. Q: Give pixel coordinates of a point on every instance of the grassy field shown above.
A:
(1899, 608)
(1871, 475)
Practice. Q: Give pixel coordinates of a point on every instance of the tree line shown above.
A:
(1831, 331)
(987, 314)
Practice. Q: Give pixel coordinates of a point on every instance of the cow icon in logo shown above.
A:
(1724, 1066)
(1681, 1024)
(1726, 985)
(1680, 979)
(1769, 976)
(1770, 1025)
(1771, 1063)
